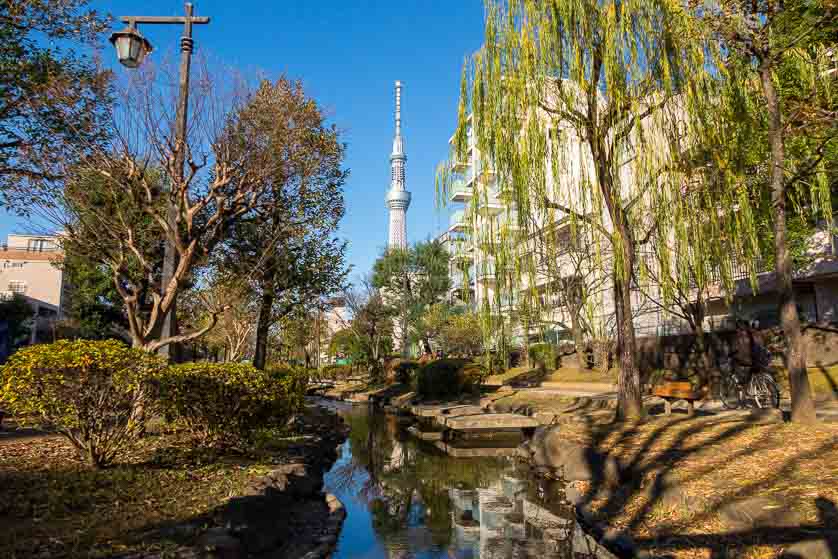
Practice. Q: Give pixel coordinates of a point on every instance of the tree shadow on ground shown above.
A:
(650, 487)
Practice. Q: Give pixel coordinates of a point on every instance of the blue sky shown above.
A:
(348, 54)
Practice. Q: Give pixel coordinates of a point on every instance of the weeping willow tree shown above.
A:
(584, 114)
(779, 60)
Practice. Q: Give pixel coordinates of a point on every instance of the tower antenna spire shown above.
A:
(398, 108)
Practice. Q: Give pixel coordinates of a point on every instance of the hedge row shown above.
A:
(99, 394)
(445, 378)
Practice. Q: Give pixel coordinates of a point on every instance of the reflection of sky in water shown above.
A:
(406, 500)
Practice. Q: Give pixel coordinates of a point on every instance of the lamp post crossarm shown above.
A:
(133, 20)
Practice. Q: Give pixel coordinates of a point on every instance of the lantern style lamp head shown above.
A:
(131, 47)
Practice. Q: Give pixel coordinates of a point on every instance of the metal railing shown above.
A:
(458, 218)
(25, 248)
(460, 187)
(486, 270)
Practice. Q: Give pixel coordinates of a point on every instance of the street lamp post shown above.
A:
(131, 49)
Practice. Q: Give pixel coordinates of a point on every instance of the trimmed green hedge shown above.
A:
(406, 371)
(225, 404)
(95, 393)
(449, 378)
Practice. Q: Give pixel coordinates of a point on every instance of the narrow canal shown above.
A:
(406, 498)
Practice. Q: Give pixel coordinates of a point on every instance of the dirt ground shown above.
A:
(688, 477)
(157, 498)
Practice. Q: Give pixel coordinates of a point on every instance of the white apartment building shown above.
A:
(481, 214)
(28, 267)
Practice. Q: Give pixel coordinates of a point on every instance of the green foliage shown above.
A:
(371, 326)
(415, 279)
(445, 378)
(462, 335)
(53, 104)
(226, 404)
(344, 343)
(92, 392)
(496, 361)
(288, 249)
(406, 371)
(18, 313)
(544, 356)
(95, 306)
(336, 372)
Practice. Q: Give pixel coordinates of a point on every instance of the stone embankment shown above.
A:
(282, 514)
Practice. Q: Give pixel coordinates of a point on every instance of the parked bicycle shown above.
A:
(743, 386)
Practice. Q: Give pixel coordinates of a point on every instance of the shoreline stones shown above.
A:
(283, 513)
(570, 461)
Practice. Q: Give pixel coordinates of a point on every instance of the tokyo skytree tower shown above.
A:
(398, 199)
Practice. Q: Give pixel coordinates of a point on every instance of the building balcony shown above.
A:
(486, 271)
(460, 281)
(462, 252)
(490, 205)
(506, 303)
(461, 190)
(458, 221)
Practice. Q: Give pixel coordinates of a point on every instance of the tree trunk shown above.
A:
(578, 336)
(426, 345)
(260, 353)
(629, 399)
(802, 406)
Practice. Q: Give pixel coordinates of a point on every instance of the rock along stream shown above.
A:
(405, 498)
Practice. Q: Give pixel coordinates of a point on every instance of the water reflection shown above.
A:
(408, 499)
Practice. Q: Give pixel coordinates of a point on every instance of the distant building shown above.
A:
(28, 267)
(335, 317)
(484, 213)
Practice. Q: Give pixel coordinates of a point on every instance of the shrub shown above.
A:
(544, 356)
(449, 378)
(93, 392)
(337, 372)
(496, 361)
(226, 403)
(406, 370)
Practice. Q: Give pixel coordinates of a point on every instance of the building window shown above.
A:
(17, 286)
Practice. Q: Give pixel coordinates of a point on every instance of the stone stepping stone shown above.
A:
(490, 421)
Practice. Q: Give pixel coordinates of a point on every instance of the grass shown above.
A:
(51, 505)
(823, 380)
(715, 464)
(574, 374)
(537, 402)
(562, 374)
(508, 376)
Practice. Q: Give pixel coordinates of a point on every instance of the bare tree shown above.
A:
(370, 322)
(116, 206)
(564, 256)
(236, 306)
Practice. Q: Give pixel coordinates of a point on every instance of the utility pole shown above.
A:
(131, 49)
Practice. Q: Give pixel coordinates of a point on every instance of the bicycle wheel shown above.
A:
(765, 391)
(731, 396)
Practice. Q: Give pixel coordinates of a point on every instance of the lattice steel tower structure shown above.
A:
(398, 199)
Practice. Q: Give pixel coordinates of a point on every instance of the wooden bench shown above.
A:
(674, 391)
